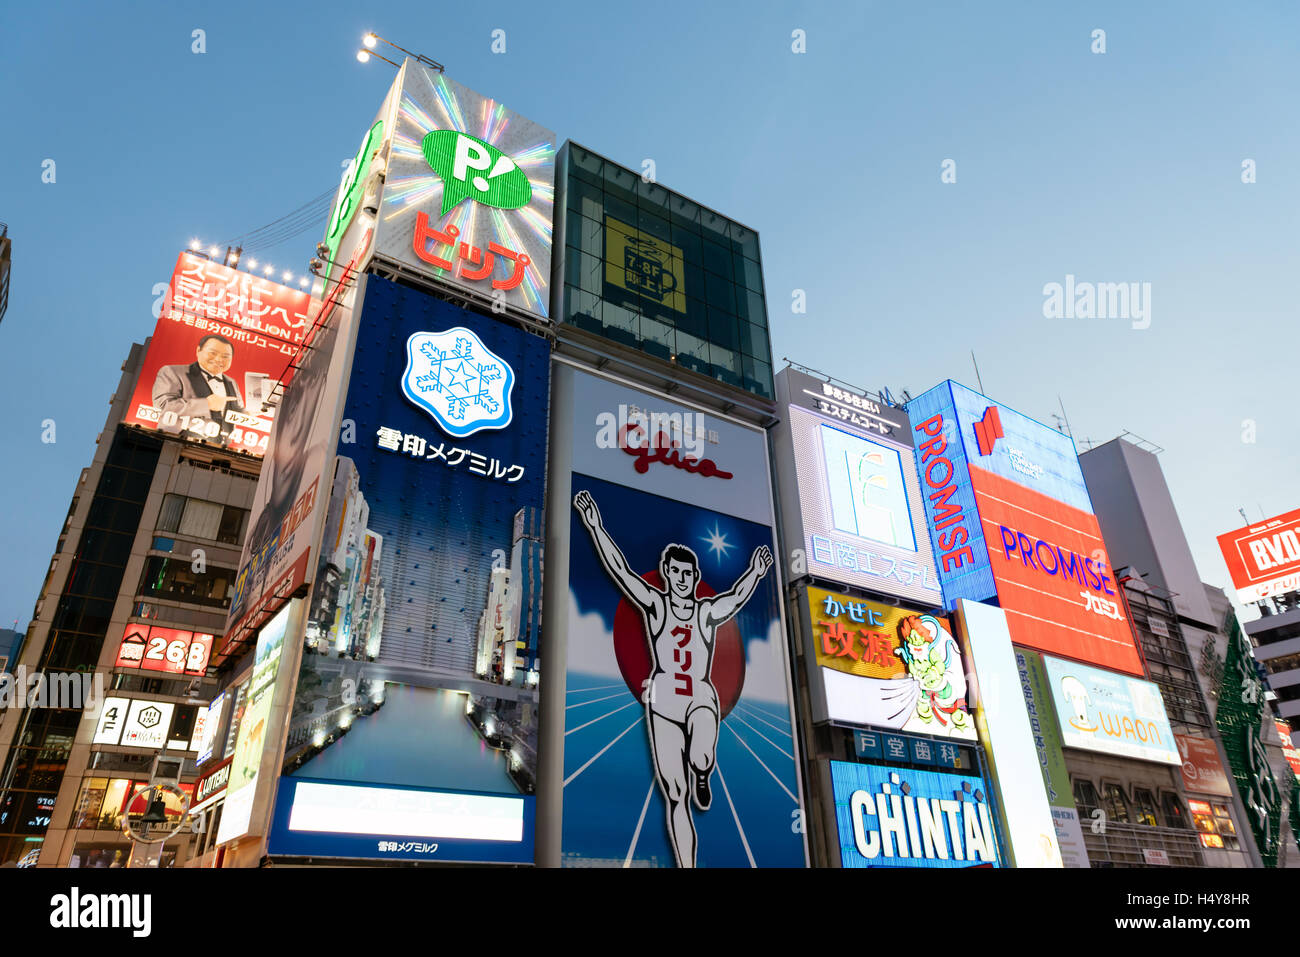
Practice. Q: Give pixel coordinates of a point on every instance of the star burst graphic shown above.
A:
(717, 543)
(412, 186)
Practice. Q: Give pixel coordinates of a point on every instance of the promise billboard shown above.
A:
(1010, 517)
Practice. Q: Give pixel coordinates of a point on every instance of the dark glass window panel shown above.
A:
(717, 259)
(587, 166)
(751, 308)
(724, 331)
(618, 208)
(653, 225)
(719, 293)
(233, 523)
(752, 276)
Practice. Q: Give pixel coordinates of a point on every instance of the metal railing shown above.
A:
(1124, 845)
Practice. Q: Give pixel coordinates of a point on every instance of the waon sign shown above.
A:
(1264, 559)
(1010, 517)
(169, 650)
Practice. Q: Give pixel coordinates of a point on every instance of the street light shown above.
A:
(369, 41)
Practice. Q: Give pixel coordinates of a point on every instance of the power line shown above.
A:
(290, 224)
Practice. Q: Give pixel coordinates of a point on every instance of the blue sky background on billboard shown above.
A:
(1117, 167)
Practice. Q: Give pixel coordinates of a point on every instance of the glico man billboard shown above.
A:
(1264, 558)
(1009, 517)
(679, 736)
(413, 732)
(850, 495)
(223, 342)
(461, 190)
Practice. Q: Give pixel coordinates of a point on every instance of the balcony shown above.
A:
(1122, 845)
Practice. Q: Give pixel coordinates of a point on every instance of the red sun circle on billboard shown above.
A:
(632, 649)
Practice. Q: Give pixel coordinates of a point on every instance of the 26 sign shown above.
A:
(170, 650)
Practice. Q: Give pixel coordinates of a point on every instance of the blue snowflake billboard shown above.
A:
(413, 735)
(458, 380)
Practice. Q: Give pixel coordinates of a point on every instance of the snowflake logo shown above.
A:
(458, 380)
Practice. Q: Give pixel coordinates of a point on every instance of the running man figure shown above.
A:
(682, 712)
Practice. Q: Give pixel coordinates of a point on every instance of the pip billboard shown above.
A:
(900, 817)
(223, 342)
(1264, 559)
(469, 192)
(885, 666)
(852, 499)
(1111, 713)
(679, 739)
(413, 734)
(1009, 516)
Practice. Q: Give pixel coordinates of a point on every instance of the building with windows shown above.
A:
(135, 594)
(659, 274)
(11, 643)
(1183, 629)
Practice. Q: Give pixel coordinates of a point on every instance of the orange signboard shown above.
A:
(1053, 575)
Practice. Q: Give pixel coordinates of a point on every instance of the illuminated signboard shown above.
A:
(896, 817)
(1264, 559)
(223, 341)
(885, 666)
(1111, 713)
(254, 733)
(677, 685)
(170, 650)
(275, 560)
(644, 266)
(432, 505)
(468, 193)
(1203, 772)
(1009, 516)
(1003, 719)
(1289, 750)
(211, 727)
(854, 500)
(134, 722)
(212, 785)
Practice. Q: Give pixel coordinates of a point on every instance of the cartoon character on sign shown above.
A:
(1079, 699)
(933, 661)
(682, 707)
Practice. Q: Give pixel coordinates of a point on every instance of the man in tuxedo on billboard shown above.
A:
(200, 390)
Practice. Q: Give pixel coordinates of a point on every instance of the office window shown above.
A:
(1115, 804)
(177, 580)
(1085, 798)
(1144, 807)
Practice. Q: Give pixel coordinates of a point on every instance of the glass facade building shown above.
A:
(650, 269)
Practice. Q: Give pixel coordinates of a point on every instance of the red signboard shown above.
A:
(1288, 746)
(1264, 559)
(151, 648)
(1202, 770)
(1053, 575)
(223, 340)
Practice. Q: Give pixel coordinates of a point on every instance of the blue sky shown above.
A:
(1122, 166)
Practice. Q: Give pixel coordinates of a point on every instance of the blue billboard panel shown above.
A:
(1000, 440)
(900, 817)
(953, 521)
(417, 698)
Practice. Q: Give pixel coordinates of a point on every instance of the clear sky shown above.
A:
(1123, 166)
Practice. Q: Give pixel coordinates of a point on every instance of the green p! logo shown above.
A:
(470, 167)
